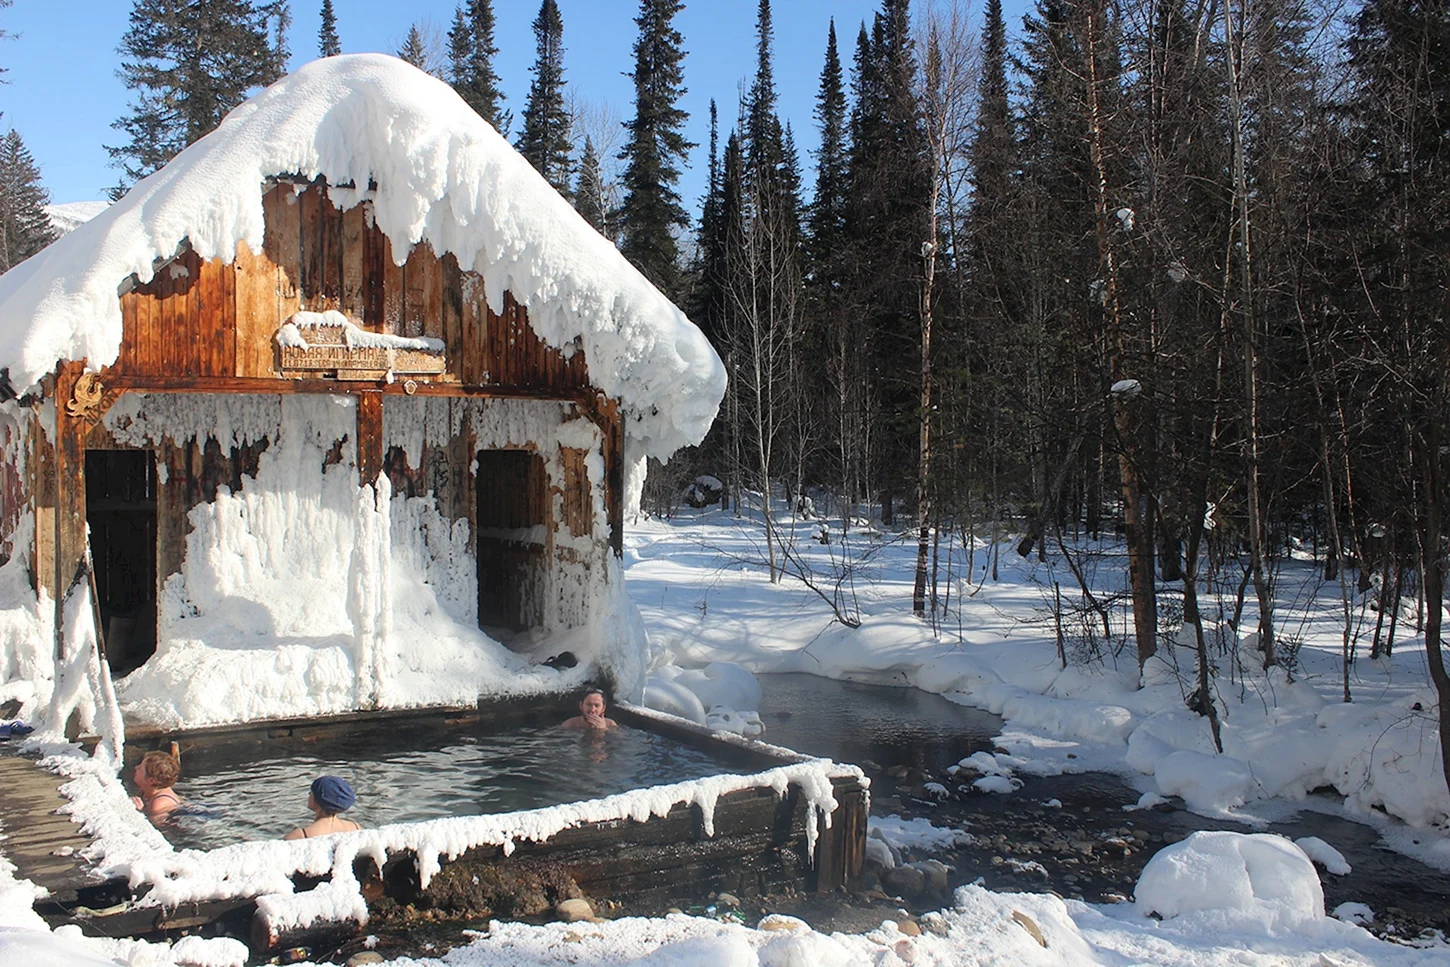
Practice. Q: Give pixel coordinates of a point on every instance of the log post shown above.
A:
(604, 412)
(369, 437)
(71, 428)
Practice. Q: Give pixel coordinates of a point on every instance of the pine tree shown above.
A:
(189, 64)
(544, 140)
(471, 53)
(328, 43)
(25, 228)
(589, 198)
(655, 149)
(414, 51)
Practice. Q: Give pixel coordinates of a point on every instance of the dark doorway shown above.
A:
(121, 512)
(511, 520)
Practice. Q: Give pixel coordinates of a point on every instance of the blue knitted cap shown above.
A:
(333, 793)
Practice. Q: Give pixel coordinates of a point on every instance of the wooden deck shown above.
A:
(44, 846)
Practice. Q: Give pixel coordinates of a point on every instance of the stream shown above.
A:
(1088, 847)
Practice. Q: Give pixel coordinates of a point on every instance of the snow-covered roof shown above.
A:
(441, 175)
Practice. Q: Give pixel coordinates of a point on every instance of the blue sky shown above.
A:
(63, 92)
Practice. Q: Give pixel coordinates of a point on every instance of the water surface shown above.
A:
(408, 775)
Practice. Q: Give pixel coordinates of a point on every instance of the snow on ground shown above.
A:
(1222, 897)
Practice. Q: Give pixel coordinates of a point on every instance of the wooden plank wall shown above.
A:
(578, 507)
(182, 322)
(198, 320)
(41, 465)
(14, 495)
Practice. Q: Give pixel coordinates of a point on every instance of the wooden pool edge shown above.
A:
(760, 841)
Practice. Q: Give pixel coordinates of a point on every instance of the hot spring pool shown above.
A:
(409, 775)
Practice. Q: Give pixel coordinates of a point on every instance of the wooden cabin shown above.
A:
(158, 373)
(210, 328)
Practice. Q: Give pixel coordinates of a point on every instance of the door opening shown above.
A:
(511, 522)
(121, 511)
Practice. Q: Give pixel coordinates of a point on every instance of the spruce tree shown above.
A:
(827, 213)
(707, 304)
(471, 52)
(888, 223)
(328, 43)
(1399, 112)
(414, 50)
(761, 101)
(589, 198)
(993, 343)
(25, 228)
(189, 64)
(544, 140)
(656, 147)
(991, 150)
(835, 332)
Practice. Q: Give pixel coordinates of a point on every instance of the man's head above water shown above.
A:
(591, 713)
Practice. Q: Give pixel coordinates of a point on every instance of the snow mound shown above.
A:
(918, 834)
(666, 695)
(723, 696)
(1325, 855)
(1206, 782)
(434, 171)
(723, 718)
(1356, 913)
(1233, 878)
(1000, 785)
(722, 683)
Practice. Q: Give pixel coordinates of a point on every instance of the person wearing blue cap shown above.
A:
(329, 796)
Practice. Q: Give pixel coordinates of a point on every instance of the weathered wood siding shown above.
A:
(14, 494)
(199, 319)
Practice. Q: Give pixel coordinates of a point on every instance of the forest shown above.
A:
(1170, 273)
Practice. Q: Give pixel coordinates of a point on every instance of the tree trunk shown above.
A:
(923, 467)
(1263, 588)
(1140, 552)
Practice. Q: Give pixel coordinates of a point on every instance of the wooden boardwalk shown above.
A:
(44, 846)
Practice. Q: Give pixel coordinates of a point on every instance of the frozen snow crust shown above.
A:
(441, 175)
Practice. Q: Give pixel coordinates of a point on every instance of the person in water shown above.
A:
(155, 774)
(591, 714)
(328, 798)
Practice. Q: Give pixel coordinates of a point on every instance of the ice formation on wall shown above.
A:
(434, 171)
(304, 593)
